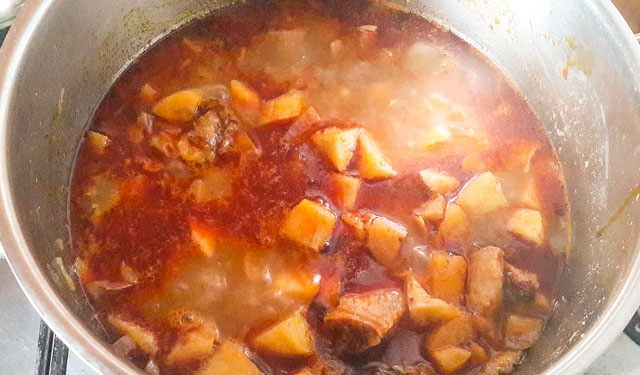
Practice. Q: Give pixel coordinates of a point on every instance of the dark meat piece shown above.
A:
(217, 126)
(361, 321)
(501, 363)
(403, 349)
(521, 285)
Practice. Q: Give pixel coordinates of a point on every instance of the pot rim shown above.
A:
(96, 354)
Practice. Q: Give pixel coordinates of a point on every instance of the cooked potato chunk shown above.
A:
(283, 108)
(521, 332)
(485, 279)
(526, 224)
(361, 321)
(216, 184)
(101, 196)
(521, 155)
(337, 144)
(300, 285)
(244, 101)
(384, 239)
(456, 331)
(455, 225)
(447, 276)
(451, 358)
(501, 363)
(433, 209)
(145, 339)
(243, 144)
(435, 136)
(229, 359)
(99, 142)
(148, 93)
(309, 224)
(195, 344)
(204, 237)
(372, 163)
(179, 107)
(478, 353)
(481, 196)
(345, 189)
(474, 163)
(529, 195)
(424, 309)
(291, 336)
(439, 182)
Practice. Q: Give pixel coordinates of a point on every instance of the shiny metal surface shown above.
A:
(592, 118)
(8, 11)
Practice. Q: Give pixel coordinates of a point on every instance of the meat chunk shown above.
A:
(521, 332)
(291, 336)
(520, 285)
(309, 224)
(501, 363)
(485, 279)
(539, 306)
(358, 221)
(217, 127)
(361, 321)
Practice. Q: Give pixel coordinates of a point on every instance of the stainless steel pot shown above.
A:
(62, 55)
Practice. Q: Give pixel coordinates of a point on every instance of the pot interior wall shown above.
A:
(592, 117)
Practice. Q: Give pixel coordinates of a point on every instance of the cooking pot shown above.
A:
(576, 62)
